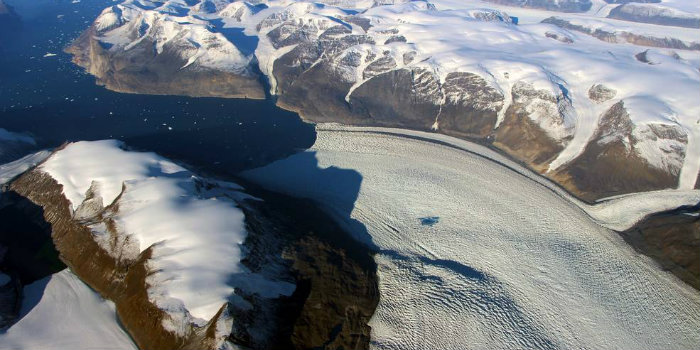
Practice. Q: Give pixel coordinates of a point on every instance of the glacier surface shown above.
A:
(512, 263)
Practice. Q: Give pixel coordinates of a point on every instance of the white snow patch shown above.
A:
(195, 234)
(61, 312)
(13, 169)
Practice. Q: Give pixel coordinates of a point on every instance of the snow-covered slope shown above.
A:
(195, 240)
(163, 243)
(474, 255)
(61, 312)
(518, 76)
(10, 170)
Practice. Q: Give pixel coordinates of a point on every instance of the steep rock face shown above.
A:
(121, 282)
(337, 287)
(612, 162)
(470, 71)
(287, 242)
(624, 36)
(655, 14)
(535, 128)
(470, 105)
(408, 97)
(563, 6)
(672, 238)
(164, 66)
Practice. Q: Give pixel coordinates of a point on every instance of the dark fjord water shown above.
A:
(56, 101)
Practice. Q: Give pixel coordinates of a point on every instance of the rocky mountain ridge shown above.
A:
(383, 65)
(269, 297)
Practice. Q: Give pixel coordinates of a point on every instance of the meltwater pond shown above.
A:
(42, 92)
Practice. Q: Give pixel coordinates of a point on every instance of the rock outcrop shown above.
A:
(621, 36)
(611, 163)
(509, 85)
(288, 240)
(671, 238)
(139, 69)
(655, 14)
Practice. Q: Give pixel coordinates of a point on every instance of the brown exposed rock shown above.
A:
(672, 239)
(337, 288)
(607, 165)
(289, 239)
(120, 281)
(403, 97)
(623, 36)
(471, 106)
(521, 138)
(140, 71)
(601, 93)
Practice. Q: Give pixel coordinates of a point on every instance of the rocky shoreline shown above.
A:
(161, 74)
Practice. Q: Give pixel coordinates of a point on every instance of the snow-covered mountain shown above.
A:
(188, 261)
(540, 85)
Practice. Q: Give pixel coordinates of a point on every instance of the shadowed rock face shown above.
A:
(334, 74)
(27, 253)
(533, 128)
(405, 97)
(623, 36)
(671, 238)
(608, 166)
(640, 13)
(337, 288)
(287, 240)
(470, 105)
(562, 6)
(139, 70)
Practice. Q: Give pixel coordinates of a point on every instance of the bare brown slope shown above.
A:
(671, 238)
(607, 167)
(119, 281)
(140, 71)
(288, 239)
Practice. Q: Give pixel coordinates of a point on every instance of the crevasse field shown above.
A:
(512, 262)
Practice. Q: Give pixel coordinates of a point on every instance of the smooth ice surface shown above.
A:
(512, 262)
(62, 312)
(195, 235)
